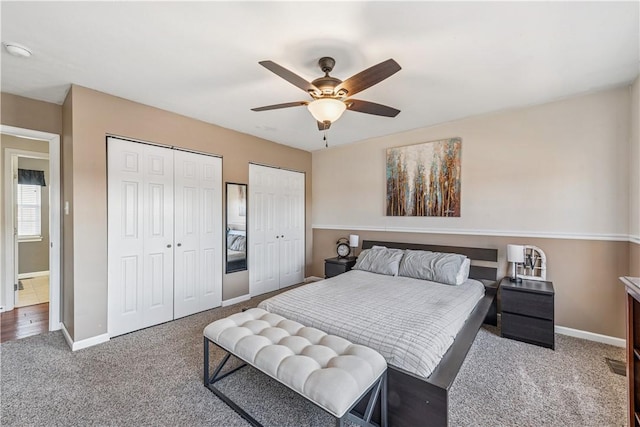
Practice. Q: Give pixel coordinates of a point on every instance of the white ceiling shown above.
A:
(201, 59)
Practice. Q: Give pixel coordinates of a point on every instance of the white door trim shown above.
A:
(55, 228)
(11, 159)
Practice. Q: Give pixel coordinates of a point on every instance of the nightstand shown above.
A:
(334, 266)
(527, 311)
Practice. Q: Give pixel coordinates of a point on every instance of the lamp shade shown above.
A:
(515, 253)
(326, 109)
(354, 240)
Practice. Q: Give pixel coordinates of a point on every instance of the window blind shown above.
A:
(29, 210)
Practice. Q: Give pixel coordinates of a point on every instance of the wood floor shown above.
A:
(24, 321)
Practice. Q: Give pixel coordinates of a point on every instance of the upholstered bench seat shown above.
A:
(326, 369)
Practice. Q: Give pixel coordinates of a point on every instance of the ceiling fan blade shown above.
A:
(371, 108)
(369, 77)
(289, 76)
(277, 106)
(323, 126)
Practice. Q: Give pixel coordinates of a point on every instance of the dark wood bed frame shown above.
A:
(416, 401)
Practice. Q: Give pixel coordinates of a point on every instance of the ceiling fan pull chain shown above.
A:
(326, 143)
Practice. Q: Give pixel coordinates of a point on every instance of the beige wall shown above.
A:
(558, 171)
(558, 168)
(30, 114)
(68, 306)
(634, 181)
(34, 256)
(9, 141)
(96, 114)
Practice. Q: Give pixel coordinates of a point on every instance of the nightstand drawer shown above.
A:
(331, 269)
(335, 266)
(527, 303)
(528, 329)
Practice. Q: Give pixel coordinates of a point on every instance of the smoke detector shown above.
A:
(17, 50)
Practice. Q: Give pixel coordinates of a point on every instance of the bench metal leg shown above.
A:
(209, 382)
(384, 418)
(378, 393)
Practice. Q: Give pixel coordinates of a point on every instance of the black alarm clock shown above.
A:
(343, 248)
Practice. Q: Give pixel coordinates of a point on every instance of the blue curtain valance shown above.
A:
(31, 177)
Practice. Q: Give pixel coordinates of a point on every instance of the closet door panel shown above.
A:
(140, 274)
(291, 228)
(198, 279)
(211, 236)
(186, 235)
(125, 239)
(263, 235)
(157, 300)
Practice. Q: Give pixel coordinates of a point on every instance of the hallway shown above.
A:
(24, 322)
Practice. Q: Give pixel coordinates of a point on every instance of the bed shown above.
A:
(236, 250)
(418, 344)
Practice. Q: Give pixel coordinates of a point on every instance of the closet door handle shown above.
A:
(282, 236)
(168, 246)
(179, 244)
(277, 237)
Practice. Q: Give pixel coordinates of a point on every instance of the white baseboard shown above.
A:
(591, 336)
(33, 274)
(312, 279)
(79, 345)
(236, 300)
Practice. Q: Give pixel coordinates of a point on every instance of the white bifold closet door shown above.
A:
(198, 233)
(276, 228)
(164, 234)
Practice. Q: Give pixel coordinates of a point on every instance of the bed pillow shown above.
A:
(434, 266)
(239, 244)
(379, 260)
(230, 239)
(463, 274)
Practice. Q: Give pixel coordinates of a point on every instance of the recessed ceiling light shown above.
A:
(17, 50)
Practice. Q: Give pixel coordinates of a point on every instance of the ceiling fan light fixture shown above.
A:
(326, 109)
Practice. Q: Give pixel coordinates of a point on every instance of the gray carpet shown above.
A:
(153, 378)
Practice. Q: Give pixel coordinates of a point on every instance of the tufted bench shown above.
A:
(329, 371)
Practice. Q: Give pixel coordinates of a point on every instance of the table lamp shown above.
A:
(515, 255)
(354, 242)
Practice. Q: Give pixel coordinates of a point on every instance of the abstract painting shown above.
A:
(424, 179)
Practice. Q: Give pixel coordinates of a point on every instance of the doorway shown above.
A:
(31, 219)
(30, 248)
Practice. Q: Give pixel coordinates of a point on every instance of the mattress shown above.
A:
(235, 255)
(411, 322)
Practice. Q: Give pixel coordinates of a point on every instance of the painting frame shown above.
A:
(424, 179)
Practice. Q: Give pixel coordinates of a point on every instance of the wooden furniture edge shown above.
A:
(632, 290)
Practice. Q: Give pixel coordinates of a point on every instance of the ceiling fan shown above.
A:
(331, 96)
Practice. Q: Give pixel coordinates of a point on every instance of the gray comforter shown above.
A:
(411, 322)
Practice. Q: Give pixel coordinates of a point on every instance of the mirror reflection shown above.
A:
(236, 227)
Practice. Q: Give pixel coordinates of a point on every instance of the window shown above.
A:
(29, 211)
